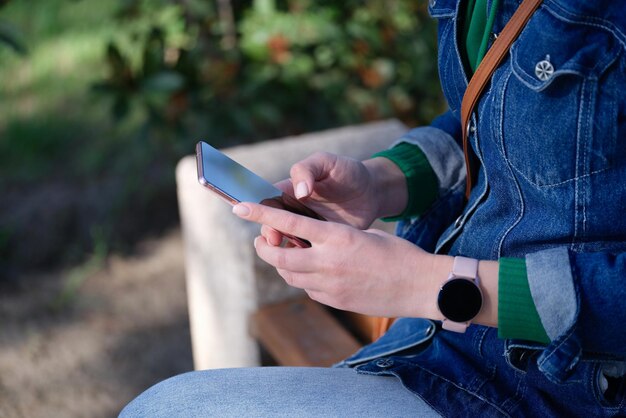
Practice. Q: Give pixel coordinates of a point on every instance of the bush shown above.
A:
(255, 71)
(112, 94)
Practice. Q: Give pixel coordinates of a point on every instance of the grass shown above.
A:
(55, 128)
(76, 276)
(50, 123)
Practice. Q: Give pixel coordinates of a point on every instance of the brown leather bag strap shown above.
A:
(483, 73)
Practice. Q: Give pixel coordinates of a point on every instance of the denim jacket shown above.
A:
(550, 134)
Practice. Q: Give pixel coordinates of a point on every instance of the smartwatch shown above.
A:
(460, 298)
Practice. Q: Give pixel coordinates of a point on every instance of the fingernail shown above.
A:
(241, 210)
(302, 190)
(255, 241)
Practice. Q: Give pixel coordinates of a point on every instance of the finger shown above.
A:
(283, 221)
(319, 296)
(305, 173)
(285, 186)
(272, 236)
(289, 244)
(313, 294)
(290, 278)
(298, 280)
(295, 260)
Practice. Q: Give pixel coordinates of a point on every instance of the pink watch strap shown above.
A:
(466, 268)
(454, 326)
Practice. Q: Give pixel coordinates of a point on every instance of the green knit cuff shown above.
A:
(517, 314)
(421, 181)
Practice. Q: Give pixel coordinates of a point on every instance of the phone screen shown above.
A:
(230, 177)
(235, 183)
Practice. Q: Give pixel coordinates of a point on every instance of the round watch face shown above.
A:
(460, 300)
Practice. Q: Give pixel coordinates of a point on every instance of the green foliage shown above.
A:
(113, 93)
(10, 36)
(293, 67)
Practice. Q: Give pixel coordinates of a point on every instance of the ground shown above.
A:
(125, 329)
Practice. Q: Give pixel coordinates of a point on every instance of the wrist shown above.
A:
(388, 185)
(425, 303)
(441, 268)
(426, 276)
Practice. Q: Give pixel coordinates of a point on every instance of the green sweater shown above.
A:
(517, 314)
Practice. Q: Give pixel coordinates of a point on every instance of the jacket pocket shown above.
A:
(442, 8)
(553, 111)
(406, 334)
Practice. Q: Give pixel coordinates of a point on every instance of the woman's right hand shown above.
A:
(345, 190)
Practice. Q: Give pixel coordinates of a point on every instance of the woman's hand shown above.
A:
(369, 272)
(345, 190)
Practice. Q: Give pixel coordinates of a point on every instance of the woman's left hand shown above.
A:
(369, 272)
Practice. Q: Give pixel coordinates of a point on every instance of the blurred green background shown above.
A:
(100, 99)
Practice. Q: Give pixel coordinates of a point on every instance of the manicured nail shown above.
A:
(302, 190)
(241, 210)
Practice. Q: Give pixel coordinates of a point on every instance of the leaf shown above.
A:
(154, 52)
(163, 82)
(10, 36)
(120, 108)
(264, 7)
(121, 73)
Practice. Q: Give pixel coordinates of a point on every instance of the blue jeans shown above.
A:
(278, 392)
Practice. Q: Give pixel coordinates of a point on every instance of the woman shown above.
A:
(537, 254)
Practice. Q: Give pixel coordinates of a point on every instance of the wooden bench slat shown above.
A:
(302, 333)
(359, 325)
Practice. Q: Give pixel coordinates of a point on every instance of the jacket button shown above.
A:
(544, 69)
(432, 3)
(384, 363)
(458, 222)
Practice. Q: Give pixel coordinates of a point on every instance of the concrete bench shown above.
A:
(226, 282)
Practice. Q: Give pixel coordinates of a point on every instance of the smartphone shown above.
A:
(234, 183)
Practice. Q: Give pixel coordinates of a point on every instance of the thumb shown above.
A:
(305, 173)
(302, 189)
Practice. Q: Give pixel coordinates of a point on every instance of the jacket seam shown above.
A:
(586, 20)
(500, 131)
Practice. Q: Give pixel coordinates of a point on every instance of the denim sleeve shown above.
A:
(441, 149)
(450, 124)
(580, 300)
